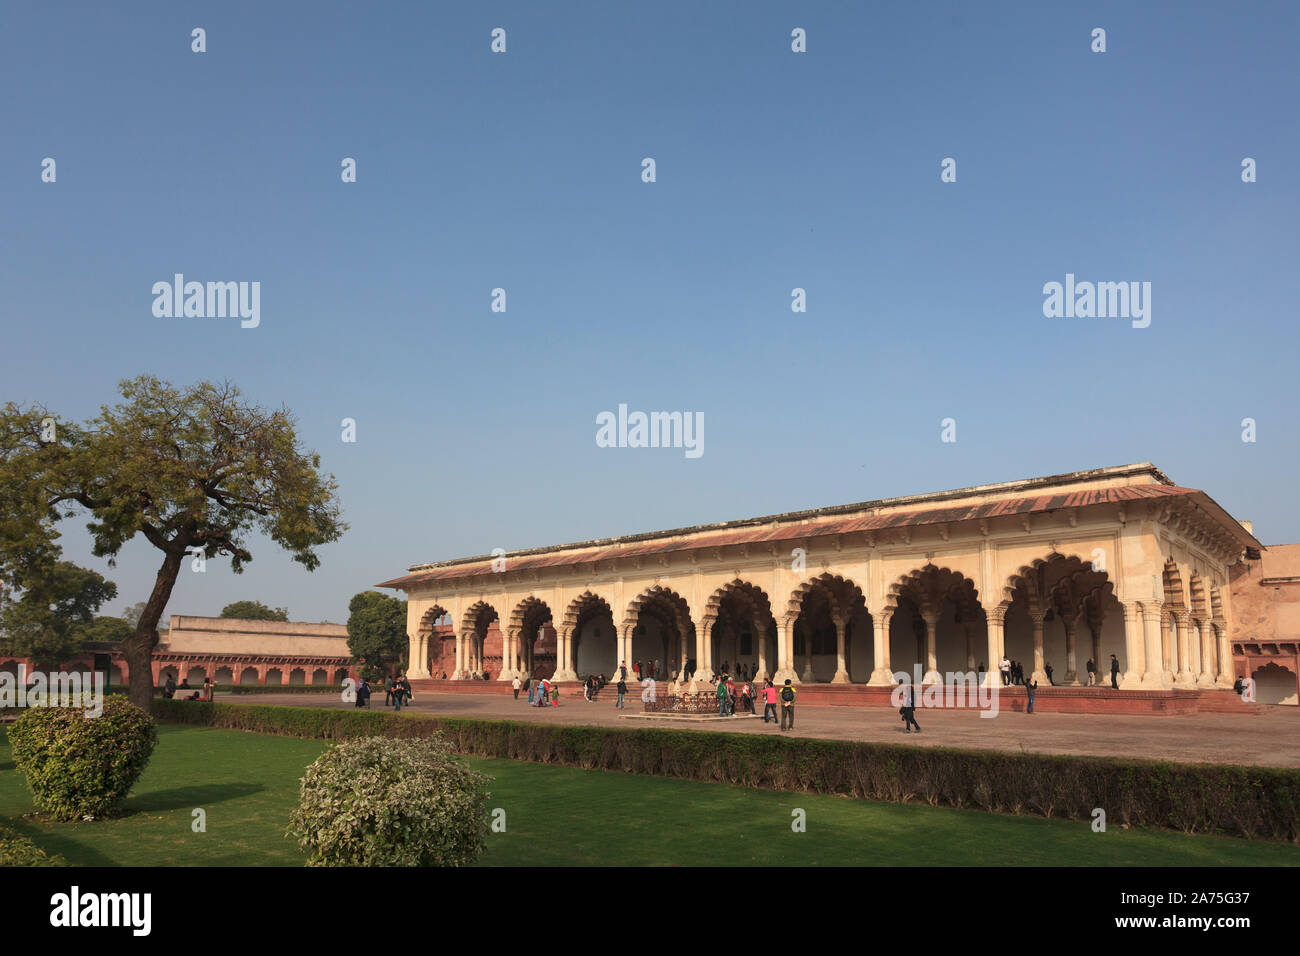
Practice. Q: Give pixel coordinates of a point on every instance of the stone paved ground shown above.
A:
(1268, 739)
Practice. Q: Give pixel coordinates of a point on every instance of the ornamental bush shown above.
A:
(81, 767)
(376, 801)
(17, 850)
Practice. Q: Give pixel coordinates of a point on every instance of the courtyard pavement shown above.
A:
(1269, 739)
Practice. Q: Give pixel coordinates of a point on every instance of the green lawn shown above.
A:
(248, 783)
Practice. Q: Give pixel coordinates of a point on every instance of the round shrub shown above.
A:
(81, 767)
(377, 801)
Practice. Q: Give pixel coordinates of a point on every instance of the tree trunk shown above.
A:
(138, 648)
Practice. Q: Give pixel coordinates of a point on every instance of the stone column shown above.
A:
(807, 675)
(785, 653)
(1071, 656)
(1038, 675)
(508, 640)
(881, 675)
(1154, 677)
(1226, 670)
(760, 635)
(1131, 679)
(564, 663)
(1185, 677)
(1194, 645)
(458, 672)
(1206, 635)
(703, 667)
(413, 650)
(1096, 653)
(841, 668)
(996, 622)
(931, 621)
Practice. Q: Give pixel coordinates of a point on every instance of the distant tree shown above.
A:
(132, 616)
(255, 611)
(377, 630)
(107, 630)
(192, 470)
(54, 615)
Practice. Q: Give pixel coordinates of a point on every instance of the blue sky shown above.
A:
(775, 170)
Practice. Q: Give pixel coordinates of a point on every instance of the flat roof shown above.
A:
(823, 521)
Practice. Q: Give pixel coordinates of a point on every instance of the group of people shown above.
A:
(170, 689)
(397, 692)
(1013, 672)
(541, 692)
(733, 698)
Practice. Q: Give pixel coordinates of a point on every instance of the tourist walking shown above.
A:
(747, 697)
(908, 710)
(516, 685)
(722, 698)
(532, 690)
(388, 690)
(622, 693)
(1030, 687)
(769, 700)
(1114, 672)
(787, 705)
(363, 694)
(208, 688)
(1005, 668)
(648, 691)
(1092, 672)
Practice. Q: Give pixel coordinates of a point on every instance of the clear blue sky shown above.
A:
(476, 430)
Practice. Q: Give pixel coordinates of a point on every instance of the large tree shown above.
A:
(192, 470)
(55, 615)
(255, 611)
(377, 631)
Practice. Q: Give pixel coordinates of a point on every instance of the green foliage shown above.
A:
(374, 801)
(17, 850)
(81, 767)
(108, 630)
(255, 611)
(377, 632)
(55, 614)
(1194, 798)
(190, 469)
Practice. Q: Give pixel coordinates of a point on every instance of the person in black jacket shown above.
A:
(1114, 672)
(908, 710)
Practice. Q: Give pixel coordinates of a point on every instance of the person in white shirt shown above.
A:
(1005, 668)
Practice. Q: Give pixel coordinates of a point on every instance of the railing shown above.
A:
(683, 704)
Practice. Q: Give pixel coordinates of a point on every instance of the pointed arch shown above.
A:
(478, 617)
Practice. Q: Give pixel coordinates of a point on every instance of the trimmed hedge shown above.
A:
(1192, 798)
(17, 850)
(259, 689)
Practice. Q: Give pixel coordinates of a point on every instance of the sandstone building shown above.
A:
(1049, 571)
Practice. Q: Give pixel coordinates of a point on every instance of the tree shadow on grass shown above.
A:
(186, 798)
(8, 765)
